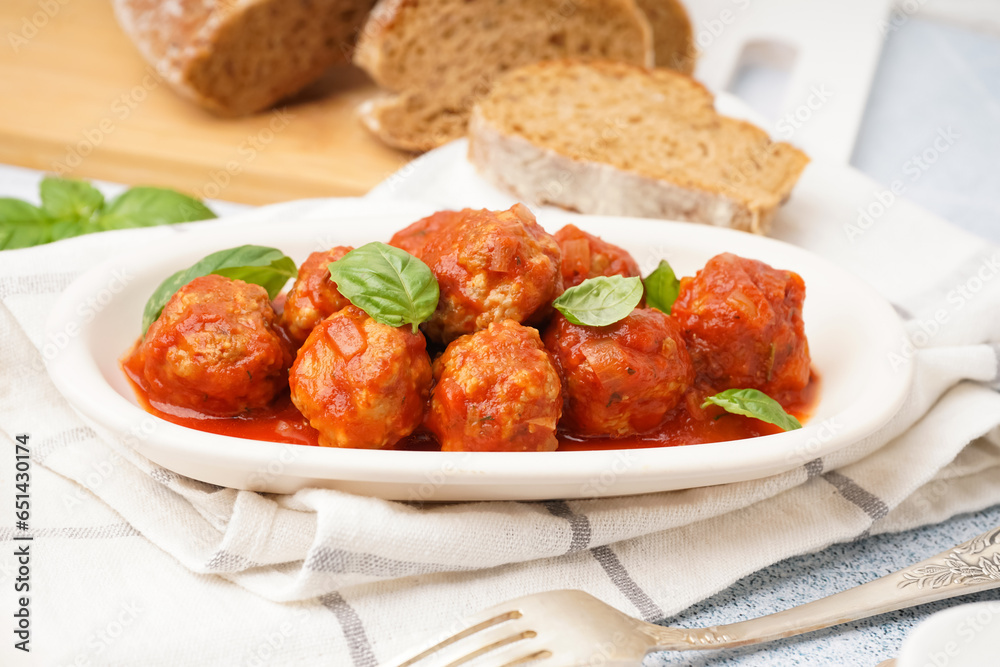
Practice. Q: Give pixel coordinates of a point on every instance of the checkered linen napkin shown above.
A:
(390, 572)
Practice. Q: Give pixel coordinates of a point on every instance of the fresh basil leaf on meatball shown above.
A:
(216, 348)
(313, 296)
(621, 379)
(491, 266)
(587, 256)
(742, 321)
(360, 383)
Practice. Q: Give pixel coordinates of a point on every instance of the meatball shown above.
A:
(313, 296)
(496, 391)
(412, 239)
(742, 322)
(621, 379)
(491, 266)
(216, 349)
(587, 256)
(360, 383)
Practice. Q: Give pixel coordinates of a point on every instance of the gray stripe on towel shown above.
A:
(43, 449)
(608, 559)
(75, 533)
(871, 504)
(341, 561)
(814, 468)
(354, 631)
(578, 523)
(620, 577)
(902, 312)
(224, 561)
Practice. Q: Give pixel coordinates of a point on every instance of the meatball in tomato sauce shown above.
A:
(313, 296)
(360, 383)
(413, 238)
(491, 266)
(587, 256)
(216, 348)
(621, 379)
(496, 391)
(743, 325)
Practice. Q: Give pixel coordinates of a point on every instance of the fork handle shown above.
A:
(968, 568)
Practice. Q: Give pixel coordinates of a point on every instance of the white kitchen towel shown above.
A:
(391, 571)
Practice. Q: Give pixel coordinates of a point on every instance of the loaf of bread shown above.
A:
(435, 58)
(615, 139)
(673, 41)
(236, 57)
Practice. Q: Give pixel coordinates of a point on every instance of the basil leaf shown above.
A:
(272, 277)
(21, 224)
(598, 302)
(64, 229)
(71, 208)
(146, 207)
(756, 404)
(391, 285)
(267, 267)
(662, 287)
(64, 199)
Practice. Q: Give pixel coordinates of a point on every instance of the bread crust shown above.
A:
(515, 143)
(368, 51)
(673, 37)
(232, 57)
(540, 175)
(385, 115)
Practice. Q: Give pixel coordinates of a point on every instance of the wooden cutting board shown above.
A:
(77, 98)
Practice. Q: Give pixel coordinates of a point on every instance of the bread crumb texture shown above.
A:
(611, 138)
(440, 56)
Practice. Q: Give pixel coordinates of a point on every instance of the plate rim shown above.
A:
(766, 458)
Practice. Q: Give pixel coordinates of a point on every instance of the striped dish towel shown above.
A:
(324, 577)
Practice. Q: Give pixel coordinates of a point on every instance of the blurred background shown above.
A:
(907, 91)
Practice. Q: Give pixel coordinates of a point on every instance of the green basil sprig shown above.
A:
(267, 267)
(662, 287)
(756, 404)
(147, 207)
(391, 285)
(598, 302)
(72, 208)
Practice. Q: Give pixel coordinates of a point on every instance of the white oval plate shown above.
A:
(851, 333)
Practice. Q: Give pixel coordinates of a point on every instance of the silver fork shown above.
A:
(567, 627)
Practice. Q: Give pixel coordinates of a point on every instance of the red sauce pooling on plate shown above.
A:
(680, 428)
(282, 422)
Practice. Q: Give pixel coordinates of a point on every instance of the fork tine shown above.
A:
(440, 644)
(515, 655)
(489, 644)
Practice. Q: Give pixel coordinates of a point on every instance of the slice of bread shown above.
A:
(615, 139)
(437, 57)
(673, 41)
(236, 57)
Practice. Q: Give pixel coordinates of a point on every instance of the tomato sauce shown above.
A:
(282, 422)
(681, 428)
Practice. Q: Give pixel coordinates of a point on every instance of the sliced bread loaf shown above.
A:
(610, 138)
(236, 57)
(673, 42)
(437, 57)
